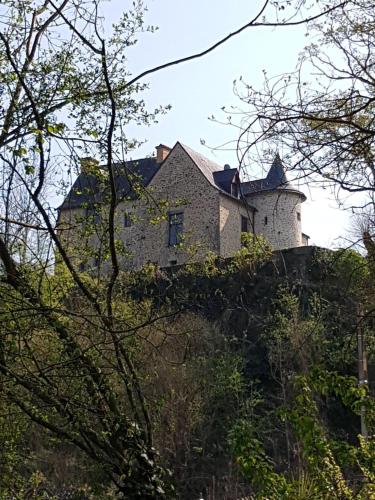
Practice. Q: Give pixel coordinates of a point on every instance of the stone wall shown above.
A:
(69, 231)
(177, 187)
(211, 220)
(81, 245)
(230, 224)
(278, 217)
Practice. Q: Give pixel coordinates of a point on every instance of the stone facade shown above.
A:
(231, 214)
(185, 206)
(180, 187)
(278, 217)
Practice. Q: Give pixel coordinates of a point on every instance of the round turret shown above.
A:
(278, 208)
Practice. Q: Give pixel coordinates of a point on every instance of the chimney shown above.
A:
(88, 165)
(162, 152)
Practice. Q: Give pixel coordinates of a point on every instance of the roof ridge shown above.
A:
(208, 168)
(192, 151)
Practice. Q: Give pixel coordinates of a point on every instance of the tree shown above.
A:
(56, 59)
(313, 381)
(67, 340)
(321, 115)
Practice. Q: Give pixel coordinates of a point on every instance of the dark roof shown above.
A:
(215, 174)
(90, 189)
(251, 187)
(276, 176)
(225, 178)
(206, 166)
(276, 180)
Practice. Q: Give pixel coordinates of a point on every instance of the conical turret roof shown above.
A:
(276, 177)
(276, 180)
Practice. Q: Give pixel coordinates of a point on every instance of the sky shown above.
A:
(199, 89)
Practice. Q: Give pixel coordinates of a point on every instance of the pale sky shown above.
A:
(198, 89)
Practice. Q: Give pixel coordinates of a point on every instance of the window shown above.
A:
(266, 220)
(244, 224)
(234, 190)
(94, 215)
(127, 220)
(298, 215)
(176, 222)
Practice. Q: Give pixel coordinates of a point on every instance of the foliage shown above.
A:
(255, 251)
(65, 358)
(321, 113)
(195, 378)
(72, 347)
(297, 407)
(326, 477)
(13, 428)
(195, 383)
(350, 268)
(254, 462)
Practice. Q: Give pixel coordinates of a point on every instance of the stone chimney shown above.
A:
(88, 165)
(162, 152)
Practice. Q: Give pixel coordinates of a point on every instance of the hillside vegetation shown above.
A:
(248, 369)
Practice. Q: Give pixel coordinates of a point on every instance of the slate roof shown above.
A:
(88, 189)
(225, 178)
(215, 174)
(276, 180)
(206, 166)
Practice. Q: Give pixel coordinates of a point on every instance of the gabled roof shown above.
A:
(225, 178)
(89, 189)
(206, 166)
(215, 174)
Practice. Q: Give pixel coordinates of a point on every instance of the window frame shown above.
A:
(234, 189)
(245, 223)
(127, 220)
(175, 228)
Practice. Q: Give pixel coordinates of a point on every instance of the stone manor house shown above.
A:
(177, 206)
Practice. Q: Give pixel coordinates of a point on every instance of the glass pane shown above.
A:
(244, 224)
(175, 228)
(127, 220)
